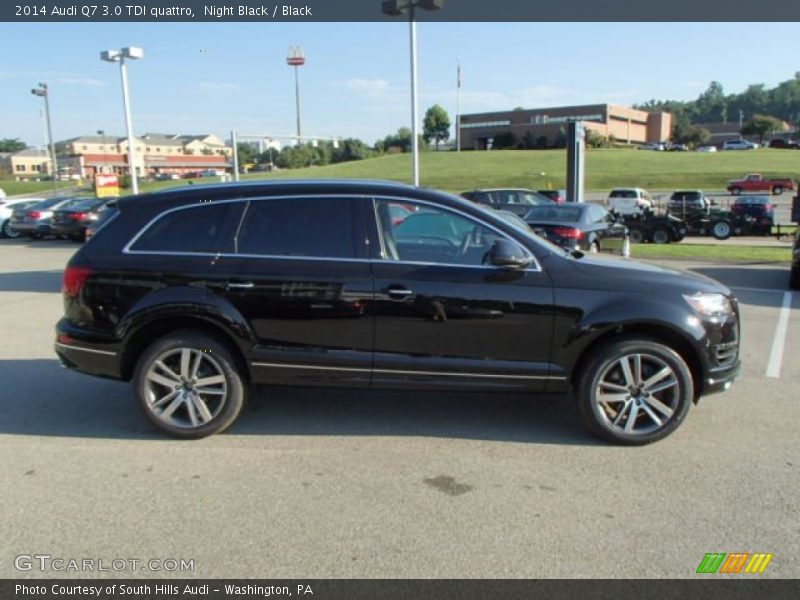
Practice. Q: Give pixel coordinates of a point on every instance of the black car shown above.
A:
(685, 203)
(104, 212)
(784, 144)
(194, 294)
(755, 208)
(577, 226)
(557, 196)
(72, 219)
(518, 201)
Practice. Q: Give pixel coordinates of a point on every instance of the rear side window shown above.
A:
(313, 227)
(197, 229)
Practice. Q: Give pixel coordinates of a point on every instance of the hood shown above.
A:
(629, 275)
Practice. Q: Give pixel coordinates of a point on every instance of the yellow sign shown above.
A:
(106, 186)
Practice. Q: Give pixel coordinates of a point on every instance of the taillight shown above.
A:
(33, 214)
(77, 216)
(568, 232)
(74, 280)
(768, 207)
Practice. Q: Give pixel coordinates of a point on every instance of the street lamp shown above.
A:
(296, 59)
(105, 156)
(119, 56)
(41, 91)
(395, 8)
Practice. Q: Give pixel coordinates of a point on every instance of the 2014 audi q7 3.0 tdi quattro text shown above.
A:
(195, 294)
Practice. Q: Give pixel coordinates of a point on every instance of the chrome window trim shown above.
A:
(402, 371)
(533, 267)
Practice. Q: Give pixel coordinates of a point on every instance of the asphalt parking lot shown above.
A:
(375, 484)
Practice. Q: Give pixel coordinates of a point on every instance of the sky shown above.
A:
(216, 77)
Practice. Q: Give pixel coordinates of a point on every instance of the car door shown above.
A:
(300, 278)
(444, 318)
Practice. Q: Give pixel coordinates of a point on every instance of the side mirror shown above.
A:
(505, 253)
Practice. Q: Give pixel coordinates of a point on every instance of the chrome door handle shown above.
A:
(241, 286)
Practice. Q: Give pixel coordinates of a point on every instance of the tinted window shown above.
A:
(196, 229)
(318, 227)
(81, 204)
(597, 214)
(623, 194)
(49, 203)
(554, 213)
(434, 235)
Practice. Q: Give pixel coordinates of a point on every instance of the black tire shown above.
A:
(794, 278)
(7, 232)
(661, 235)
(36, 236)
(777, 190)
(636, 235)
(602, 361)
(736, 191)
(212, 350)
(721, 229)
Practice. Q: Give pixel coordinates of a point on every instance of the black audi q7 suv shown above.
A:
(195, 294)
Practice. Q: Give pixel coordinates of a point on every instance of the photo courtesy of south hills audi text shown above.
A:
(149, 590)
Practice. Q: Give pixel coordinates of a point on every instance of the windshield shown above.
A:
(554, 213)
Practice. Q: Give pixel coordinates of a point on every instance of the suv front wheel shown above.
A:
(634, 391)
(189, 385)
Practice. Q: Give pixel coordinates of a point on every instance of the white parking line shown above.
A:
(779, 340)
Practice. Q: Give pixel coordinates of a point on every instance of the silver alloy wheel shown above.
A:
(637, 394)
(8, 232)
(722, 229)
(185, 387)
(660, 236)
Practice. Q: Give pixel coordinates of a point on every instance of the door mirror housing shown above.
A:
(508, 254)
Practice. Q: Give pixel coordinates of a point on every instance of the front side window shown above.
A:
(298, 227)
(434, 235)
(199, 229)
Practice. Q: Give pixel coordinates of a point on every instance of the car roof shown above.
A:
(277, 187)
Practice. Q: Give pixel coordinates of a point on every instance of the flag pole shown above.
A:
(458, 106)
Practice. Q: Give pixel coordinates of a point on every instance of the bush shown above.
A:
(124, 181)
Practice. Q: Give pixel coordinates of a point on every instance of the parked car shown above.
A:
(557, 196)
(34, 220)
(739, 145)
(7, 208)
(784, 144)
(577, 226)
(754, 182)
(706, 149)
(104, 214)
(652, 146)
(627, 201)
(677, 147)
(758, 208)
(194, 294)
(518, 201)
(684, 202)
(72, 219)
(166, 176)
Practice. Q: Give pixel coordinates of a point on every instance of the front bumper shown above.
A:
(721, 380)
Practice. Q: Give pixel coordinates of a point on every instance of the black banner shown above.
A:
(372, 10)
(710, 588)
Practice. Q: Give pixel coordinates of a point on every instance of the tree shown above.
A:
(245, 153)
(504, 140)
(594, 139)
(436, 125)
(696, 136)
(400, 141)
(762, 125)
(12, 145)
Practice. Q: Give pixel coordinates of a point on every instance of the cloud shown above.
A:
(219, 87)
(371, 88)
(86, 81)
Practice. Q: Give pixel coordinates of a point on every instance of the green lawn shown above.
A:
(726, 252)
(605, 169)
(14, 188)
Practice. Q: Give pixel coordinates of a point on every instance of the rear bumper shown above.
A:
(88, 355)
(28, 228)
(69, 230)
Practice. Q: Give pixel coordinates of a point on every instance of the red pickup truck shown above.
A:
(754, 182)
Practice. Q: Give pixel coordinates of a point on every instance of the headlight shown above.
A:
(709, 305)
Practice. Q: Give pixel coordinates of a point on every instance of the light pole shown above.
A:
(105, 156)
(119, 56)
(296, 59)
(42, 92)
(395, 8)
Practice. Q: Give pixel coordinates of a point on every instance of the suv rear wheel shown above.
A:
(634, 391)
(189, 385)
